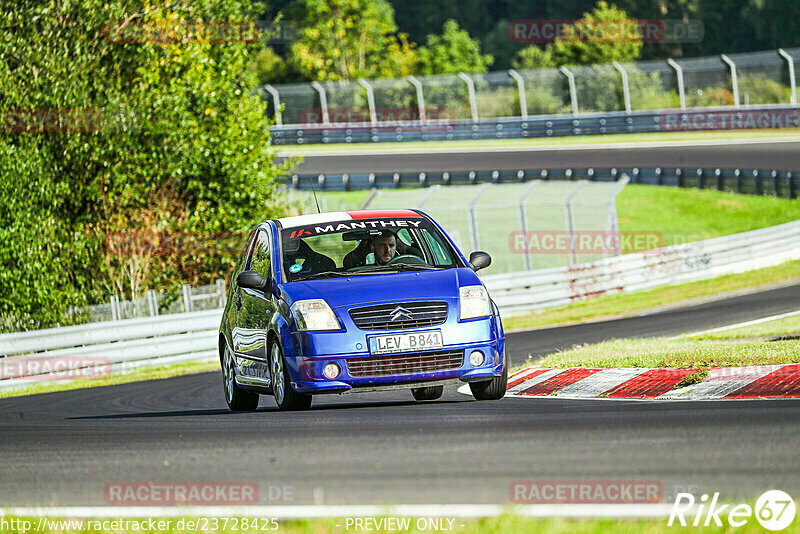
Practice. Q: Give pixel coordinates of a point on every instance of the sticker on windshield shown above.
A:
(345, 226)
(295, 268)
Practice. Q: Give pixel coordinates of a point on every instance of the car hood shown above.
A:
(384, 287)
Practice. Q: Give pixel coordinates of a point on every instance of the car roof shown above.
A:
(334, 216)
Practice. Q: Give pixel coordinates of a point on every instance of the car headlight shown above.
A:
(314, 314)
(473, 301)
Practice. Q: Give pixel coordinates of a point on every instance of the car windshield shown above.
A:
(363, 246)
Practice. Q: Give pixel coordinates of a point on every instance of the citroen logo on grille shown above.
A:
(400, 312)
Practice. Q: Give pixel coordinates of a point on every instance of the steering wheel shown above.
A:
(409, 259)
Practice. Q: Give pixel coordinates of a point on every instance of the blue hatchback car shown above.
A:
(357, 301)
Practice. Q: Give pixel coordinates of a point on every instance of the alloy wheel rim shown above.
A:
(229, 376)
(277, 375)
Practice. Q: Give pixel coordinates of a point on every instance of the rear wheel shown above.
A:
(238, 399)
(427, 393)
(493, 389)
(286, 398)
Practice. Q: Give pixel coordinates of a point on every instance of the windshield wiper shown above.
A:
(399, 267)
(323, 274)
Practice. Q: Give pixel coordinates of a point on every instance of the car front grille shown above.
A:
(399, 316)
(400, 364)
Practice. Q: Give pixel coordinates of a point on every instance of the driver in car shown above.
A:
(384, 247)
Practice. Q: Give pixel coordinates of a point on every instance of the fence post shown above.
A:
(152, 302)
(573, 95)
(276, 101)
(679, 74)
(792, 83)
(473, 223)
(373, 116)
(734, 81)
(420, 96)
(473, 104)
(626, 90)
(523, 102)
(323, 102)
(221, 292)
(573, 254)
(718, 174)
(115, 315)
(701, 179)
(523, 224)
(187, 298)
(792, 190)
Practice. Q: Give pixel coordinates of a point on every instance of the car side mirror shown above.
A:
(252, 280)
(479, 260)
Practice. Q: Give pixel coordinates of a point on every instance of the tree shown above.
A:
(534, 57)
(602, 36)
(111, 106)
(347, 40)
(451, 52)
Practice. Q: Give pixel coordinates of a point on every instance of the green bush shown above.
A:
(176, 142)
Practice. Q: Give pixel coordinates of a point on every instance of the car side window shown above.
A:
(438, 248)
(261, 260)
(240, 262)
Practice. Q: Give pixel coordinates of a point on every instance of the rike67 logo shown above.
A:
(774, 510)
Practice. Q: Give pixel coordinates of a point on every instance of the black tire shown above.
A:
(238, 399)
(427, 393)
(286, 398)
(493, 389)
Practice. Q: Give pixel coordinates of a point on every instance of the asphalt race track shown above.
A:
(781, 155)
(671, 322)
(64, 448)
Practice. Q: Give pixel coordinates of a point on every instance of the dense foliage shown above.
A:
(729, 26)
(147, 136)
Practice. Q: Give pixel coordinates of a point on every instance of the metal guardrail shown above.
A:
(780, 183)
(527, 291)
(113, 345)
(669, 120)
(663, 95)
(126, 344)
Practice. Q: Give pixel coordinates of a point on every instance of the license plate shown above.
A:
(430, 340)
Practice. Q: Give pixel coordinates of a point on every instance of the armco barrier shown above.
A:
(122, 345)
(671, 120)
(780, 183)
(193, 336)
(526, 291)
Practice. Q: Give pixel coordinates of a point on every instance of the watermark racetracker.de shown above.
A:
(47, 368)
(216, 32)
(728, 120)
(645, 31)
(582, 241)
(585, 491)
(193, 493)
(355, 117)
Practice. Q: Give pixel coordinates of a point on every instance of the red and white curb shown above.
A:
(751, 382)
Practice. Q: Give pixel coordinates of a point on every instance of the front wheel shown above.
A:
(238, 400)
(493, 389)
(427, 393)
(286, 398)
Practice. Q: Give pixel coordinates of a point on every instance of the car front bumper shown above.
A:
(307, 376)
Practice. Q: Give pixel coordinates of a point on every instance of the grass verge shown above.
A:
(137, 375)
(683, 353)
(627, 304)
(504, 524)
(548, 141)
